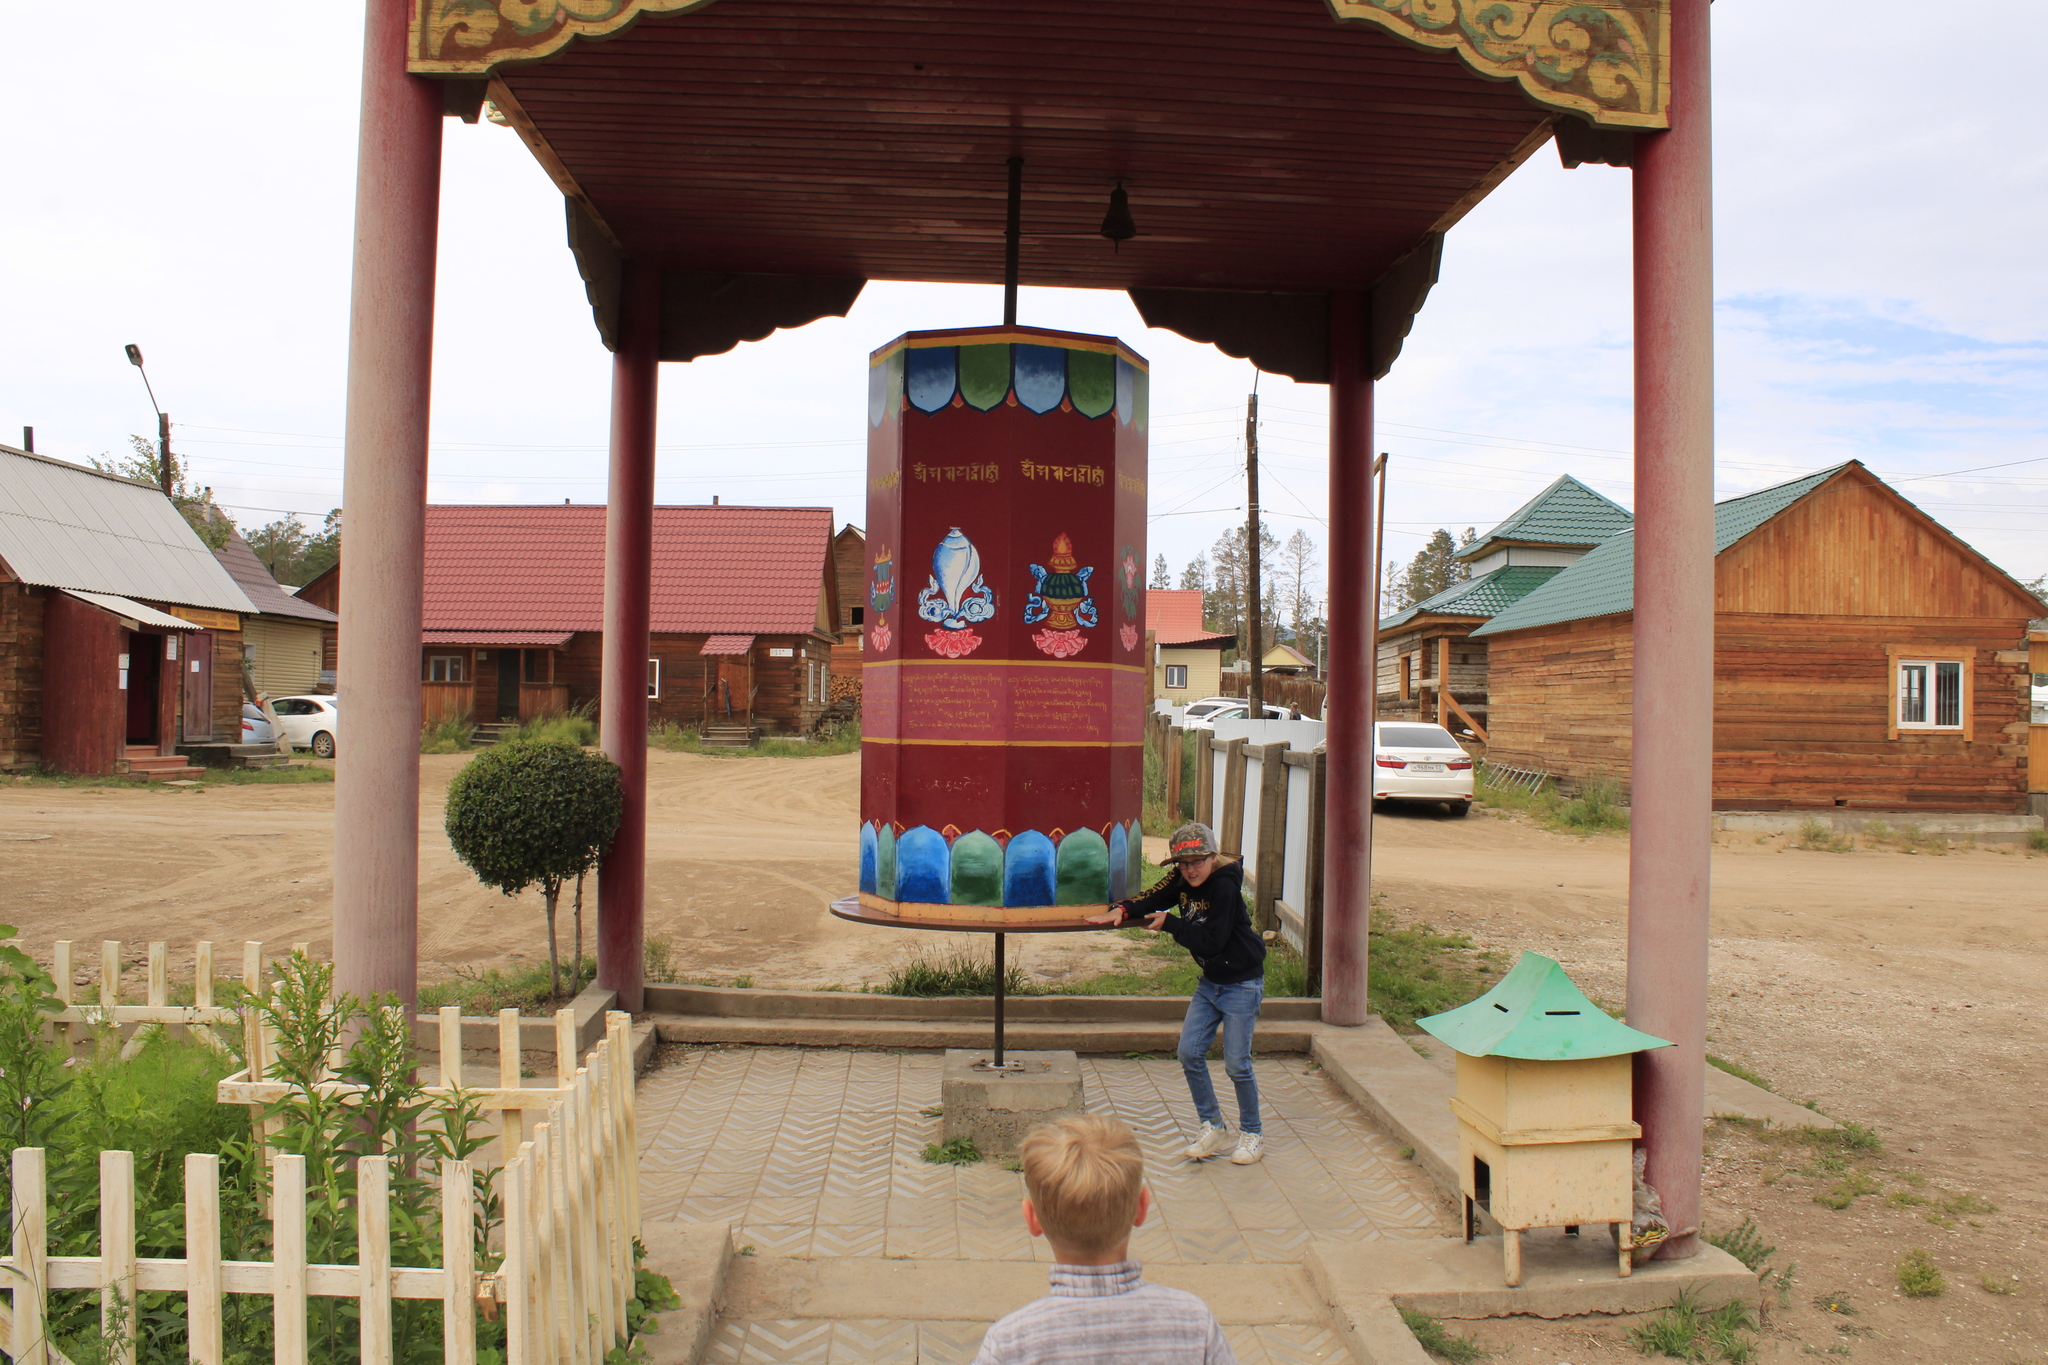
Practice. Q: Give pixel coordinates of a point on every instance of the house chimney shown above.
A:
(714, 499)
(28, 439)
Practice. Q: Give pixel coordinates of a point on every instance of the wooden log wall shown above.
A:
(1802, 707)
(21, 674)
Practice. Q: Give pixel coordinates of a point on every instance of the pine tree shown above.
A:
(1434, 568)
(1162, 577)
(1196, 575)
(1226, 608)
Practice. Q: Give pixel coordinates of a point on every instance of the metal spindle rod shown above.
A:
(1013, 237)
(999, 1000)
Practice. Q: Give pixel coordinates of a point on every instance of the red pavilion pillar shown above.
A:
(1672, 767)
(1348, 706)
(628, 581)
(384, 488)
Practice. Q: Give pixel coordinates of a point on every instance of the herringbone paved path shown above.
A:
(819, 1153)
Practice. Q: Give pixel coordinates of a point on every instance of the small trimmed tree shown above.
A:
(534, 814)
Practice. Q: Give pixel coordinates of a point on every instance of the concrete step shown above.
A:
(732, 1002)
(1158, 1037)
(180, 771)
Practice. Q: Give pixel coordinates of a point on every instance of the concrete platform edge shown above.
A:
(695, 1257)
(1397, 1090)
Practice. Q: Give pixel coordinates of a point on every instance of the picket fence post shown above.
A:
(117, 1254)
(373, 1256)
(288, 1269)
(31, 1259)
(202, 1259)
(458, 1264)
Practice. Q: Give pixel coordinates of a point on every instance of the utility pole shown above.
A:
(1255, 691)
(164, 476)
(1379, 550)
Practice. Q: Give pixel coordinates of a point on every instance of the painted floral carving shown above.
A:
(881, 637)
(1128, 633)
(1061, 644)
(954, 644)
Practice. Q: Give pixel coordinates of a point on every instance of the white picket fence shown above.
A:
(569, 1186)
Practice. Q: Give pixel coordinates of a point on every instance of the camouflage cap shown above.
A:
(1189, 842)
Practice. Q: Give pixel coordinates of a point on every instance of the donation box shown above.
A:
(1003, 653)
(1545, 1107)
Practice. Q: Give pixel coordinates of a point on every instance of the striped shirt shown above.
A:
(1108, 1315)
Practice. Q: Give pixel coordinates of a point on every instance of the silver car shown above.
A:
(1414, 761)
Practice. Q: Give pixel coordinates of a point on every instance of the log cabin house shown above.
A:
(1429, 666)
(1187, 662)
(850, 562)
(745, 614)
(120, 633)
(1864, 657)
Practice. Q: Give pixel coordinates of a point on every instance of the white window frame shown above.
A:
(447, 668)
(1171, 670)
(1929, 662)
(654, 680)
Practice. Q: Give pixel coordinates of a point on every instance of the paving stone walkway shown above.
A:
(818, 1153)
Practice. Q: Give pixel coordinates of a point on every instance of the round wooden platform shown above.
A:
(849, 908)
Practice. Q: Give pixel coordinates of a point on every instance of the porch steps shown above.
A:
(235, 755)
(488, 733)
(145, 764)
(728, 736)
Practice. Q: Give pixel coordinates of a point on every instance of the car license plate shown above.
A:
(1425, 767)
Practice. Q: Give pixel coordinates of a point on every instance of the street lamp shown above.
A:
(163, 424)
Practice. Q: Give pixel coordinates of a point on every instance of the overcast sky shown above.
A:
(1881, 283)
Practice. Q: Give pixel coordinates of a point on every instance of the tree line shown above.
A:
(294, 555)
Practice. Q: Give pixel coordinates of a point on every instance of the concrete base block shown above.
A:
(695, 1257)
(997, 1108)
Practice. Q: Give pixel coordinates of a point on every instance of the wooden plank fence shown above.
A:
(564, 1271)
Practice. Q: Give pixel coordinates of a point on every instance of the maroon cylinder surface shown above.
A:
(1004, 668)
(628, 595)
(1348, 705)
(1672, 766)
(384, 488)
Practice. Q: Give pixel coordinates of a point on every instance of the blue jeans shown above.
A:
(1236, 1009)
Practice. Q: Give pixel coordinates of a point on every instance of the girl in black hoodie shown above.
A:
(1201, 904)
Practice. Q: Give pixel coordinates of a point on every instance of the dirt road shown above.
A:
(1905, 992)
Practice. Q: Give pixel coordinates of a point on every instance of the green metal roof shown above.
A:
(1538, 1014)
(1487, 595)
(1566, 513)
(1603, 583)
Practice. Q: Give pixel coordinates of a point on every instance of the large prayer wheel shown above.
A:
(1003, 686)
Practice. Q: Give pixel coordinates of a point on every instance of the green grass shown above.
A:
(683, 739)
(1745, 1244)
(1157, 817)
(2037, 840)
(930, 972)
(449, 735)
(1686, 1331)
(1596, 808)
(492, 989)
(208, 777)
(1431, 1335)
(1415, 970)
(1919, 1277)
(1739, 1072)
(577, 727)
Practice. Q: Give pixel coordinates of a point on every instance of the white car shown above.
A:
(1412, 761)
(309, 722)
(1197, 709)
(1237, 709)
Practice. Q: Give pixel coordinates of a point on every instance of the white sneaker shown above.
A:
(1208, 1141)
(1247, 1152)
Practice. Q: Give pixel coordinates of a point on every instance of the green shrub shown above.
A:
(577, 726)
(1686, 1331)
(2037, 840)
(959, 1151)
(1919, 1276)
(1596, 807)
(1745, 1244)
(535, 814)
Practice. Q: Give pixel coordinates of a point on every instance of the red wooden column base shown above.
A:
(628, 577)
(1347, 846)
(1673, 760)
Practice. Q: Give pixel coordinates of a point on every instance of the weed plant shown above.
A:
(1919, 1277)
(577, 726)
(1431, 1335)
(1415, 970)
(1816, 837)
(2037, 840)
(959, 1151)
(492, 989)
(1745, 1243)
(1597, 807)
(1686, 1331)
(1739, 1072)
(932, 972)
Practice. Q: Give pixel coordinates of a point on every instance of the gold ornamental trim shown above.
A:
(1605, 60)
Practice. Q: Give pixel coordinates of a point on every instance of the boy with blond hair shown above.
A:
(1084, 1180)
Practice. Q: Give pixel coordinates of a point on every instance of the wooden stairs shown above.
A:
(145, 764)
(728, 736)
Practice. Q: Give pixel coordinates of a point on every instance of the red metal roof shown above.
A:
(717, 570)
(1174, 616)
(499, 639)
(727, 644)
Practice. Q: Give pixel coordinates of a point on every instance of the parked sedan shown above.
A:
(1238, 709)
(1418, 762)
(1197, 709)
(309, 722)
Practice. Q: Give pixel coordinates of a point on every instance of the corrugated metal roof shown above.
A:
(1487, 595)
(254, 579)
(134, 611)
(727, 644)
(1604, 582)
(1566, 513)
(717, 570)
(65, 526)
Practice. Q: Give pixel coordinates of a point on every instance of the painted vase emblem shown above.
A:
(1062, 599)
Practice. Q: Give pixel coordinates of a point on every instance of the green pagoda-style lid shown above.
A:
(1536, 1013)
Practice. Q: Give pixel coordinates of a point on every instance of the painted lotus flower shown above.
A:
(1061, 644)
(880, 635)
(1129, 633)
(954, 644)
(1130, 568)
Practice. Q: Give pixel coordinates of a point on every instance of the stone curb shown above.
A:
(695, 1257)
